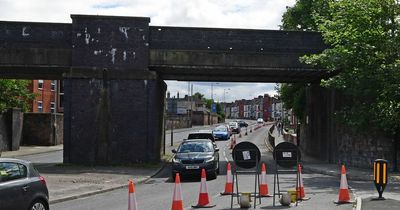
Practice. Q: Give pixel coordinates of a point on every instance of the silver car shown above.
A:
(21, 186)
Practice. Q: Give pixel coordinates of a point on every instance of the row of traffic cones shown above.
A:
(263, 183)
(204, 200)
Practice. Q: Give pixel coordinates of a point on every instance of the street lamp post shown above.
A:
(212, 90)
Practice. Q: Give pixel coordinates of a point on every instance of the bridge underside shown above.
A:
(114, 69)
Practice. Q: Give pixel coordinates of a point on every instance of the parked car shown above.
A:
(242, 123)
(193, 155)
(234, 127)
(21, 186)
(260, 121)
(221, 132)
(202, 134)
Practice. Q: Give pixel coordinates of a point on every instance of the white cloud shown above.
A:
(264, 14)
(255, 14)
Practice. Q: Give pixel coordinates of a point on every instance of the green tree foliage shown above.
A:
(365, 42)
(198, 95)
(15, 93)
(300, 17)
(294, 97)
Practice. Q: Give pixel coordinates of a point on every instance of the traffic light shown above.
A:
(380, 175)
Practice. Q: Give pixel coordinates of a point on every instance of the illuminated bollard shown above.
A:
(380, 176)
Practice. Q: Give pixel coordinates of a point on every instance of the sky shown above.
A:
(247, 14)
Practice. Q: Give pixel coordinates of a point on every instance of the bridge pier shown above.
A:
(114, 104)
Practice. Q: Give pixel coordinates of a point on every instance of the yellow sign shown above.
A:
(380, 175)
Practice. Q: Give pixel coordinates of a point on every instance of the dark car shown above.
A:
(193, 155)
(243, 123)
(202, 134)
(235, 128)
(21, 186)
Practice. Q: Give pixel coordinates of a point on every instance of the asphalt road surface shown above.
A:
(156, 193)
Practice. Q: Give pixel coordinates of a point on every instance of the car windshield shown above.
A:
(220, 129)
(195, 147)
(232, 124)
(200, 136)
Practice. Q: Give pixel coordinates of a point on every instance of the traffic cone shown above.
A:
(344, 195)
(264, 184)
(229, 181)
(177, 202)
(204, 201)
(233, 142)
(300, 189)
(132, 205)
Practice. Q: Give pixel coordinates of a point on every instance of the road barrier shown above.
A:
(263, 182)
(380, 176)
(344, 195)
(177, 201)
(229, 181)
(132, 205)
(204, 199)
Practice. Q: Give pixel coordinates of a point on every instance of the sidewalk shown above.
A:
(362, 178)
(67, 182)
(317, 166)
(31, 150)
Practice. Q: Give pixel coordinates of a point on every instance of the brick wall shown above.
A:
(324, 138)
(43, 129)
(10, 129)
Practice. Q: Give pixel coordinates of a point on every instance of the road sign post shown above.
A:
(380, 176)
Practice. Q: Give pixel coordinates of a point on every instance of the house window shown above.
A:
(40, 106)
(53, 107)
(53, 85)
(40, 84)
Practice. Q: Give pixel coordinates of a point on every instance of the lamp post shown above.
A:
(212, 90)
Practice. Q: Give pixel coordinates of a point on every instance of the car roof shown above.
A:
(202, 132)
(198, 140)
(14, 160)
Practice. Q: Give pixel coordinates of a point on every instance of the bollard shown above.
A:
(380, 176)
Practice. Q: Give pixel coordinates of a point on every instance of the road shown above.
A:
(156, 193)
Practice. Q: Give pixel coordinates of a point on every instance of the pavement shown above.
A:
(363, 200)
(67, 182)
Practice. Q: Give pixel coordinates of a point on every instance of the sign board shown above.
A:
(246, 155)
(214, 108)
(181, 110)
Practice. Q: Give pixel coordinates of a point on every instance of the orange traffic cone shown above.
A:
(300, 188)
(233, 142)
(229, 181)
(204, 201)
(344, 195)
(264, 184)
(177, 202)
(132, 205)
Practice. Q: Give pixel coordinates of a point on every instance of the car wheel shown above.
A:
(39, 205)
(212, 175)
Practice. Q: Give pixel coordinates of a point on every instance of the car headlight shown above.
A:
(210, 159)
(174, 160)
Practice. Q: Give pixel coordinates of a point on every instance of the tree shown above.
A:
(294, 97)
(15, 93)
(198, 95)
(364, 37)
(300, 17)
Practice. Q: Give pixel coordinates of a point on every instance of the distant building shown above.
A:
(50, 96)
